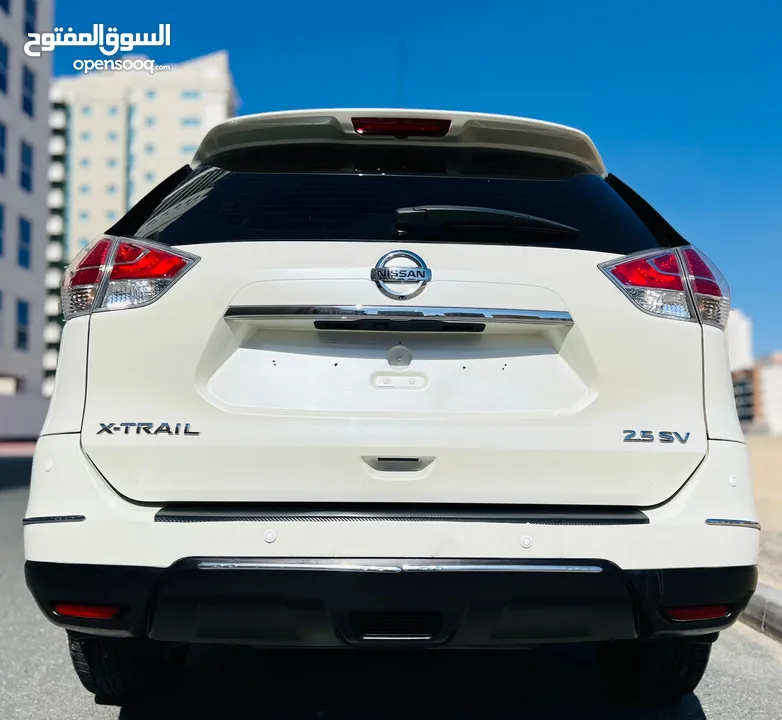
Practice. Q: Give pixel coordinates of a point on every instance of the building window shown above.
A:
(113, 110)
(150, 121)
(111, 189)
(85, 135)
(3, 67)
(112, 162)
(191, 122)
(84, 215)
(84, 189)
(190, 94)
(189, 149)
(149, 177)
(111, 215)
(30, 16)
(149, 149)
(83, 242)
(26, 167)
(86, 110)
(112, 136)
(28, 91)
(2, 229)
(22, 324)
(84, 162)
(25, 242)
(6, 5)
(151, 94)
(2, 149)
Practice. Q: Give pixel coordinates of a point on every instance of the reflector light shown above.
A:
(127, 273)
(697, 612)
(87, 612)
(401, 127)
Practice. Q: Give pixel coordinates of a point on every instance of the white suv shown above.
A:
(393, 378)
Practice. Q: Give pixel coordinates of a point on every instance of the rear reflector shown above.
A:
(697, 612)
(87, 612)
(402, 127)
(658, 283)
(124, 273)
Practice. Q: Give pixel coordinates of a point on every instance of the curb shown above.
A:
(764, 612)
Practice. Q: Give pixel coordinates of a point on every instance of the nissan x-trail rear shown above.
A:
(380, 379)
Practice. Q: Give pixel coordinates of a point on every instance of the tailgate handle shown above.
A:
(398, 464)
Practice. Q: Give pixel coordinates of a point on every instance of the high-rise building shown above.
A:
(769, 373)
(739, 332)
(24, 137)
(115, 136)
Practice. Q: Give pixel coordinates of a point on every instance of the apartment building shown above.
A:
(114, 137)
(24, 136)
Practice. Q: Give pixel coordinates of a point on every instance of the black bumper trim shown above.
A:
(535, 514)
(485, 604)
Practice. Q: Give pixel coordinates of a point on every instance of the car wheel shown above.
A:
(653, 671)
(123, 670)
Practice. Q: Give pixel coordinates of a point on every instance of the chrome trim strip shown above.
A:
(53, 519)
(394, 566)
(351, 566)
(499, 567)
(390, 312)
(727, 522)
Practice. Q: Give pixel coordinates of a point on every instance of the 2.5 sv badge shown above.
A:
(663, 436)
(147, 428)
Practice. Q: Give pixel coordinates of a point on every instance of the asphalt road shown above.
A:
(744, 681)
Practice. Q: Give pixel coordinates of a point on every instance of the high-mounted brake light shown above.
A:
(679, 283)
(115, 273)
(401, 127)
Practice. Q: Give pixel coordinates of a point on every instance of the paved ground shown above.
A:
(744, 681)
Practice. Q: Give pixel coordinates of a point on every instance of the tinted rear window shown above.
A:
(218, 205)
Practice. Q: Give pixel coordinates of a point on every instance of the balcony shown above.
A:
(55, 199)
(51, 306)
(54, 226)
(57, 119)
(57, 145)
(47, 388)
(52, 279)
(52, 332)
(50, 360)
(56, 172)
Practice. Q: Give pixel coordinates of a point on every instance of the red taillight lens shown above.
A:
(87, 612)
(660, 271)
(697, 612)
(136, 273)
(657, 283)
(401, 127)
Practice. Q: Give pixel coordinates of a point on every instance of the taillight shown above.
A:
(401, 127)
(680, 283)
(709, 287)
(87, 612)
(115, 273)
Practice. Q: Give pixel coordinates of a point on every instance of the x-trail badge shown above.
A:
(401, 274)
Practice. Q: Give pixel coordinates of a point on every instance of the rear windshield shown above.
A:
(216, 205)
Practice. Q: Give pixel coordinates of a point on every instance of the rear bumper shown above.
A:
(339, 603)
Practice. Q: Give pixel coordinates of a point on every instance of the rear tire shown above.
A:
(653, 671)
(124, 670)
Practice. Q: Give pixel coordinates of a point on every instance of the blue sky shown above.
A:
(683, 98)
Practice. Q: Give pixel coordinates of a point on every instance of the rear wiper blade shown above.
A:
(461, 216)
